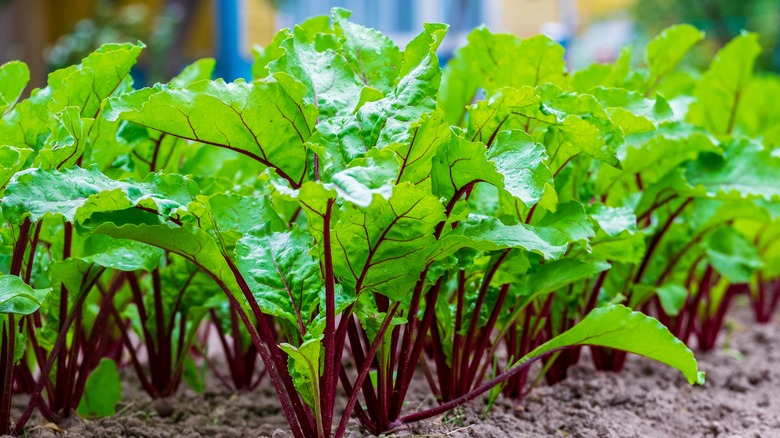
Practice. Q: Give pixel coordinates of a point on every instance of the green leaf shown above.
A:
(284, 278)
(225, 216)
(12, 160)
(505, 109)
(672, 298)
(102, 392)
(415, 156)
(616, 326)
(331, 83)
(745, 170)
(604, 75)
(515, 165)
(627, 247)
(572, 221)
(381, 248)
(667, 49)
(304, 364)
(718, 93)
(121, 254)
(262, 56)
(103, 73)
(655, 154)
(192, 243)
(13, 79)
(492, 61)
(77, 193)
(583, 125)
(459, 163)
(386, 121)
(359, 184)
(631, 111)
(373, 57)
(261, 120)
(761, 118)
(199, 70)
(68, 140)
(19, 298)
(556, 274)
(521, 162)
(732, 255)
(614, 221)
(489, 234)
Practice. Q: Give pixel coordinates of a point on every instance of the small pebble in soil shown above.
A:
(279, 433)
(163, 407)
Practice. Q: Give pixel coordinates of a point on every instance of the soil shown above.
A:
(741, 398)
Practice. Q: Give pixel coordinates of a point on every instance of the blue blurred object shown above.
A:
(230, 63)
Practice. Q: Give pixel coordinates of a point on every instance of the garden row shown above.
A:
(356, 214)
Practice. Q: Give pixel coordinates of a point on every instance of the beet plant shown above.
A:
(711, 174)
(79, 331)
(65, 339)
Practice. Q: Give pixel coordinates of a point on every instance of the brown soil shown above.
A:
(740, 399)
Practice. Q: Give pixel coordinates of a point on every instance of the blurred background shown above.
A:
(50, 34)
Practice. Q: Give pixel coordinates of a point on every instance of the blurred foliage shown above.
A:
(115, 23)
(721, 19)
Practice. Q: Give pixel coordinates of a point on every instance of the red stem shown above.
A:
(364, 370)
(417, 348)
(7, 368)
(328, 380)
(656, 239)
(486, 331)
(62, 337)
(467, 350)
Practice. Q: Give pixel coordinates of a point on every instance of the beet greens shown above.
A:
(363, 220)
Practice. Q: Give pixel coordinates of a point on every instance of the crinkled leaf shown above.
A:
(491, 61)
(373, 57)
(76, 193)
(415, 156)
(506, 108)
(614, 220)
(284, 277)
(521, 161)
(261, 120)
(11, 160)
(571, 220)
(382, 247)
(386, 121)
(103, 73)
(489, 234)
(331, 84)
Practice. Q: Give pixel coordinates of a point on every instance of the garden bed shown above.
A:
(741, 398)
